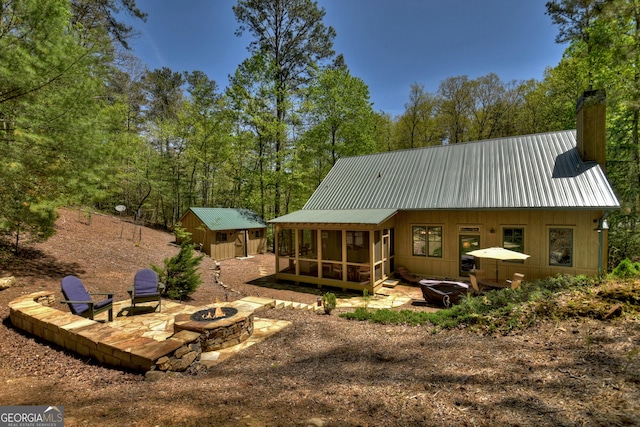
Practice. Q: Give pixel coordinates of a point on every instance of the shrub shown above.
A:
(499, 310)
(329, 302)
(626, 270)
(180, 273)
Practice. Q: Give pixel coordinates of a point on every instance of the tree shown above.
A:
(604, 52)
(577, 21)
(100, 15)
(165, 100)
(49, 101)
(456, 104)
(207, 126)
(253, 100)
(292, 38)
(180, 273)
(341, 115)
(383, 132)
(416, 126)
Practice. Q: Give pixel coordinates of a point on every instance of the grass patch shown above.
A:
(504, 310)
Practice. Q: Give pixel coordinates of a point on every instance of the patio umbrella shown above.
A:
(498, 253)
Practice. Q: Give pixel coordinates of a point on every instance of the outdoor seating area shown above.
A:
(81, 302)
(480, 283)
(146, 288)
(139, 342)
(445, 292)
(170, 339)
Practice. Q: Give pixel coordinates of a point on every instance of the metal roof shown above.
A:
(228, 218)
(313, 216)
(532, 171)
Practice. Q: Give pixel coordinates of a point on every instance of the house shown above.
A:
(224, 233)
(546, 195)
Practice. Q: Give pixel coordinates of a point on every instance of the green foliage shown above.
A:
(499, 310)
(329, 302)
(50, 81)
(366, 298)
(292, 39)
(626, 270)
(624, 231)
(180, 273)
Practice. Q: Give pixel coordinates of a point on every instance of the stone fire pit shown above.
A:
(219, 327)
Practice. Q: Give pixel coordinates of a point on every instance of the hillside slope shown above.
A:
(322, 370)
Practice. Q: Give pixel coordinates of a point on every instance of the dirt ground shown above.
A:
(320, 371)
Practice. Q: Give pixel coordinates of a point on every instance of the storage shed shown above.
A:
(224, 233)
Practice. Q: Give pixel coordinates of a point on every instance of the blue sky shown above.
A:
(389, 44)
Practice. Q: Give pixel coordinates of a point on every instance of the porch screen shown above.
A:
(308, 244)
(286, 242)
(358, 246)
(331, 245)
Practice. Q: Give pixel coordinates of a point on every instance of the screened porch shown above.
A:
(347, 256)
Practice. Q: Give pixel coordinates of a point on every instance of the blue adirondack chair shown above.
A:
(81, 302)
(146, 288)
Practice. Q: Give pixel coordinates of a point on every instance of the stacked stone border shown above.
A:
(219, 334)
(110, 345)
(33, 313)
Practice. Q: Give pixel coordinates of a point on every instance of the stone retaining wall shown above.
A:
(218, 334)
(105, 343)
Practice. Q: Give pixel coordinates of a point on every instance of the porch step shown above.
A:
(294, 305)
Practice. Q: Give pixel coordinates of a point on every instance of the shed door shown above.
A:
(240, 244)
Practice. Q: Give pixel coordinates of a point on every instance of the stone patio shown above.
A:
(146, 340)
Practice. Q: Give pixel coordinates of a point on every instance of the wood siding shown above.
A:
(536, 225)
(490, 225)
(254, 243)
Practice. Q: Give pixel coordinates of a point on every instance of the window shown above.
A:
(259, 234)
(357, 246)
(434, 235)
(221, 237)
(513, 239)
(561, 247)
(355, 239)
(419, 241)
(427, 241)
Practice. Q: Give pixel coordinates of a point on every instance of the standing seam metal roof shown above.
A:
(531, 171)
(357, 216)
(228, 218)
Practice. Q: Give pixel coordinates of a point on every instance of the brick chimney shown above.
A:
(590, 126)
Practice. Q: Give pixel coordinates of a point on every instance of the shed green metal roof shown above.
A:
(319, 216)
(228, 218)
(540, 171)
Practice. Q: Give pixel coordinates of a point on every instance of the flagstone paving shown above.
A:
(138, 340)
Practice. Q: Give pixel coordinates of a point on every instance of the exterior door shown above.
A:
(240, 244)
(468, 243)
